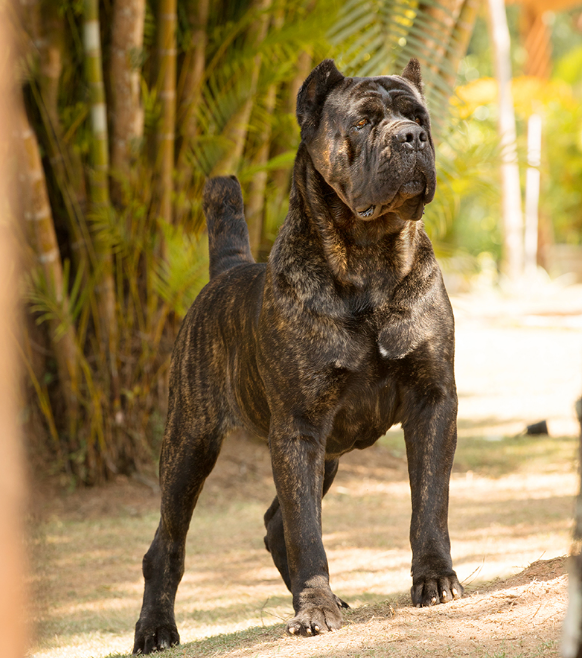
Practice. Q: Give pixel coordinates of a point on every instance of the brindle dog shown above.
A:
(346, 331)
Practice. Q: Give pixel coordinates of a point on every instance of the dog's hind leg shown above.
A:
(275, 537)
(186, 461)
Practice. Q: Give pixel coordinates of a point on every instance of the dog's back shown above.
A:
(228, 235)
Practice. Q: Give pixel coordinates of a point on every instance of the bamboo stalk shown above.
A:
(50, 47)
(65, 163)
(100, 200)
(237, 127)
(126, 110)
(100, 142)
(42, 231)
(189, 92)
(256, 195)
(282, 177)
(165, 136)
(192, 75)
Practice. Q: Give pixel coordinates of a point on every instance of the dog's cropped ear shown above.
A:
(412, 74)
(312, 95)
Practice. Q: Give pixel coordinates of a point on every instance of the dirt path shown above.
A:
(511, 506)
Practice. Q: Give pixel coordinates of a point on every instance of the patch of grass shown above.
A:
(516, 455)
(495, 458)
(222, 643)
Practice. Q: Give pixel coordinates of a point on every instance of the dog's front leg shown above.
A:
(298, 458)
(430, 431)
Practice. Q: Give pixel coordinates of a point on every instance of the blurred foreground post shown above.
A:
(572, 630)
(12, 627)
(512, 264)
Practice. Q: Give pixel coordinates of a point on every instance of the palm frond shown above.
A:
(179, 278)
(378, 37)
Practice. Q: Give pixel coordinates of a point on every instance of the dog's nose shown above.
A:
(412, 137)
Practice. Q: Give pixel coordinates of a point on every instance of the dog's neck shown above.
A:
(358, 252)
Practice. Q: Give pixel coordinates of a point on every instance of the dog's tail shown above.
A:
(228, 235)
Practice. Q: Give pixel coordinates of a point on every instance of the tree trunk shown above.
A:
(126, 110)
(282, 177)
(237, 127)
(512, 264)
(192, 75)
(256, 196)
(51, 58)
(190, 83)
(100, 200)
(42, 233)
(166, 49)
(65, 163)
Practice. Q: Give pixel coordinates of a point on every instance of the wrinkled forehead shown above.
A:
(354, 93)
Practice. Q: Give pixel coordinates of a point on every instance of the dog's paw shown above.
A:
(430, 591)
(150, 637)
(340, 603)
(316, 619)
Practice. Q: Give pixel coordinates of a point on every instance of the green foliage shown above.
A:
(476, 224)
(476, 227)
(465, 212)
(179, 278)
(61, 306)
(159, 267)
(569, 68)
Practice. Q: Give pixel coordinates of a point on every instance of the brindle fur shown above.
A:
(346, 331)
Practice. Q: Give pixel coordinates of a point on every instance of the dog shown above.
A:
(346, 331)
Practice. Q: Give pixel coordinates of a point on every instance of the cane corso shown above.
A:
(346, 331)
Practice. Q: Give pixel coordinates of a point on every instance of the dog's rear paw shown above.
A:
(430, 591)
(150, 637)
(316, 619)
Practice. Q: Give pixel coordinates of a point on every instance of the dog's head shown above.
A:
(370, 139)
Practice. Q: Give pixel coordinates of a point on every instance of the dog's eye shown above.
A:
(361, 124)
(418, 120)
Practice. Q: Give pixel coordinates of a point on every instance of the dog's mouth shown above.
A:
(412, 188)
(408, 201)
(368, 212)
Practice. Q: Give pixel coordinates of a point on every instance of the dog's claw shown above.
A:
(292, 630)
(430, 591)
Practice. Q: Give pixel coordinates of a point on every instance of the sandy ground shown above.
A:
(510, 521)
